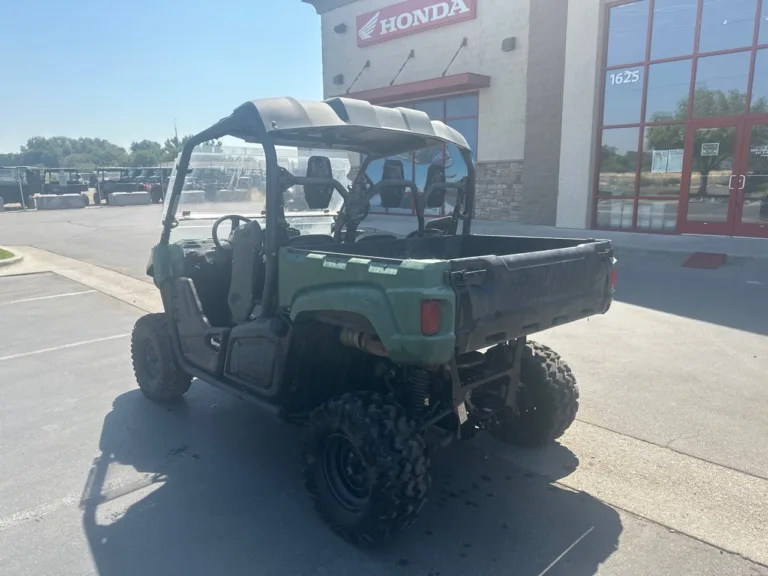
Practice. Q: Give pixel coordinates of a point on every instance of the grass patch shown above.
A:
(5, 254)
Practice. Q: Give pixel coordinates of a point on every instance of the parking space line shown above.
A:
(562, 555)
(62, 347)
(47, 297)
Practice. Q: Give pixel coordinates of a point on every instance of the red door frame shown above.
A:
(740, 229)
(733, 226)
(743, 123)
(684, 226)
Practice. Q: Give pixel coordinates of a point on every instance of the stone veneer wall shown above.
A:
(499, 190)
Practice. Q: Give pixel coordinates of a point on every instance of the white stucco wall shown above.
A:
(501, 131)
(580, 114)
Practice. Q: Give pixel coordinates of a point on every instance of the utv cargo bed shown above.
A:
(506, 287)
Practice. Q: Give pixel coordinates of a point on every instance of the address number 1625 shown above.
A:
(625, 77)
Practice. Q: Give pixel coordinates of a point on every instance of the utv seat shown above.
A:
(248, 271)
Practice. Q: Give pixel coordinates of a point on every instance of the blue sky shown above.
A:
(125, 70)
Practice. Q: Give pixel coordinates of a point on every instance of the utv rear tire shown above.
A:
(379, 485)
(159, 377)
(547, 399)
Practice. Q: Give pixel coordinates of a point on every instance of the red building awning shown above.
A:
(455, 84)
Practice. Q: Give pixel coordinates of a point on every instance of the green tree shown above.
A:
(146, 153)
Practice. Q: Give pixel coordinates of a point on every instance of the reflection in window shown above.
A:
(433, 108)
(657, 215)
(618, 162)
(755, 206)
(674, 26)
(661, 167)
(461, 106)
(374, 171)
(468, 128)
(721, 85)
(627, 33)
(762, 37)
(623, 96)
(614, 213)
(759, 103)
(455, 170)
(668, 86)
(727, 24)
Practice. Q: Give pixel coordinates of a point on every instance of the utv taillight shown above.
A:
(613, 279)
(430, 317)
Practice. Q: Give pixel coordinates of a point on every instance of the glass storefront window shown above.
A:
(759, 103)
(468, 128)
(689, 61)
(674, 28)
(657, 215)
(458, 112)
(433, 108)
(623, 96)
(618, 162)
(627, 33)
(668, 87)
(661, 168)
(615, 213)
(461, 106)
(762, 37)
(721, 85)
(727, 24)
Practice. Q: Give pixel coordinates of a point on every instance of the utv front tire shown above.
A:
(547, 399)
(158, 375)
(365, 466)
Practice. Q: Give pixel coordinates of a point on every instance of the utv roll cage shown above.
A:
(375, 132)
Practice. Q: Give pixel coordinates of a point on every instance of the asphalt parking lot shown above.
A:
(663, 473)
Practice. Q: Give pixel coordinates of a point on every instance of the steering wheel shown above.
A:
(234, 218)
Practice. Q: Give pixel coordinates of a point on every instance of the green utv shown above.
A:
(383, 347)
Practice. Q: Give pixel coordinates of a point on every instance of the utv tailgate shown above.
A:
(501, 298)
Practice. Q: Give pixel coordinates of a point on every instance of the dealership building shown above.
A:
(643, 115)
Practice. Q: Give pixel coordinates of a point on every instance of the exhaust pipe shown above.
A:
(363, 341)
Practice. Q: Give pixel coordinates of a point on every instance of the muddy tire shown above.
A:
(159, 378)
(548, 399)
(365, 466)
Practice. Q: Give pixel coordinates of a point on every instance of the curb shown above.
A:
(12, 260)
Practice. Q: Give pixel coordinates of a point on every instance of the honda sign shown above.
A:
(411, 17)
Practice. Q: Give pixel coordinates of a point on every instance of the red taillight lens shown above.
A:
(613, 279)
(430, 317)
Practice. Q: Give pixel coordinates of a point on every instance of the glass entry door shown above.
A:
(711, 177)
(752, 199)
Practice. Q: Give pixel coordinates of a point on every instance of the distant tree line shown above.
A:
(89, 153)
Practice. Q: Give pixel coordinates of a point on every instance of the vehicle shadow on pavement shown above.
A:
(221, 493)
(731, 296)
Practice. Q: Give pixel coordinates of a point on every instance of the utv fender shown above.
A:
(403, 344)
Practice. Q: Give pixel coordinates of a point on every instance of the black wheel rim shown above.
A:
(346, 473)
(151, 360)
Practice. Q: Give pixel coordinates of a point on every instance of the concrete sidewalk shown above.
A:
(623, 241)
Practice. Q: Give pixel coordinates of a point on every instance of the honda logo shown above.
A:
(411, 17)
